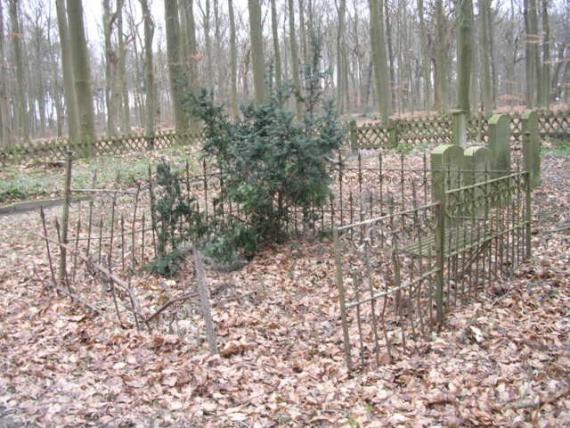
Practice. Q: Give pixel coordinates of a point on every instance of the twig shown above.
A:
(534, 404)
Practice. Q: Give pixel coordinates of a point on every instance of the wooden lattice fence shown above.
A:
(411, 132)
(54, 150)
(437, 129)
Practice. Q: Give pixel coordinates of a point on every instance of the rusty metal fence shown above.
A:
(398, 274)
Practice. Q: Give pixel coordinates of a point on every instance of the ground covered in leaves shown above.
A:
(503, 360)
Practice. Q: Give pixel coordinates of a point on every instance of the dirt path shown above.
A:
(503, 360)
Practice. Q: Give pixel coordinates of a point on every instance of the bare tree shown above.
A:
(176, 72)
(256, 35)
(233, 61)
(81, 70)
(378, 48)
(17, 36)
(150, 123)
(464, 55)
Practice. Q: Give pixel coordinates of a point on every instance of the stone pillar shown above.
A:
(476, 164)
(459, 128)
(446, 166)
(499, 144)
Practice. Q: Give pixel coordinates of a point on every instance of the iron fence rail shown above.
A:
(398, 274)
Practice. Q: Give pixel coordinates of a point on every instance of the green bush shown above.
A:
(176, 219)
(273, 162)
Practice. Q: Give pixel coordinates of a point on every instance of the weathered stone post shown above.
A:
(499, 144)
(446, 166)
(476, 165)
(353, 135)
(459, 128)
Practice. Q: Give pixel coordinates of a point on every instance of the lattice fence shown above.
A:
(434, 130)
(55, 150)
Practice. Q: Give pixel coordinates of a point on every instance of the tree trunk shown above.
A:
(233, 61)
(81, 71)
(426, 63)
(341, 57)
(303, 35)
(4, 107)
(378, 47)
(440, 58)
(486, 83)
(256, 37)
(150, 122)
(208, 40)
(567, 83)
(220, 63)
(175, 69)
(464, 55)
(392, 68)
(67, 66)
(276, 50)
(546, 70)
(17, 36)
(122, 75)
(192, 44)
(110, 68)
(531, 53)
(295, 59)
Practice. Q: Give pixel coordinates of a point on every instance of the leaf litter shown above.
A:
(503, 360)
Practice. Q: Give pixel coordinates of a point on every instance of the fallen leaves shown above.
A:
(501, 361)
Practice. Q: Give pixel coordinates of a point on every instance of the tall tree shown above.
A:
(17, 37)
(440, 57)
(208, 41)
(81, 70)
(378, 48)
(531, 53)
(276, 49)
(341, 66)
(233, 61)
(256, 36)
(295, 59)
(425, 63)
(485, 54)
(4, 115)
(67, 67)
(192, 49)
(464, 55)
(111, 98)
(546, 69)
(122, 71)
(175, 69)
(150, 122)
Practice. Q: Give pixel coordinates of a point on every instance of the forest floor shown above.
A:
(503, 360)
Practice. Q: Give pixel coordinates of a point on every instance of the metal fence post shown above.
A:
(65, 219)
(341, 298)
(528, 215)
(440, 260)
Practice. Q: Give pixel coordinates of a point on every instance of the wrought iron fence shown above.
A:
(397, 275)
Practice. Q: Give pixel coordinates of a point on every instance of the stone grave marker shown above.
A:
(476, 164)
(499, 144)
